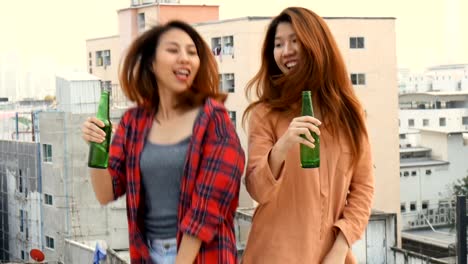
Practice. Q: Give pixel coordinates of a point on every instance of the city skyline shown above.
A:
(426, 35)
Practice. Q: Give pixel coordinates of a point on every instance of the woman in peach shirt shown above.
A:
(305, 215)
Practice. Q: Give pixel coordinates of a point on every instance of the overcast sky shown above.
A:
(429, 32)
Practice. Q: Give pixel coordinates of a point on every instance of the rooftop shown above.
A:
(77, 76)
(433, 96)
(410, 163)
(440, 236)
(414, 149)
(252, 18)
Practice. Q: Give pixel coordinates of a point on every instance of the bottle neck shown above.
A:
(103, 109)
(307, 108)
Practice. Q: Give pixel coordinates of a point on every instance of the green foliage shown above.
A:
(460, 187)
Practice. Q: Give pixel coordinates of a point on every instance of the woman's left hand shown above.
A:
(334, 257)
(337, 254)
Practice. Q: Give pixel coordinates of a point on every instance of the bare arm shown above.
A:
(338, 252)
(100, 178)
(188, 251)
(102, 185)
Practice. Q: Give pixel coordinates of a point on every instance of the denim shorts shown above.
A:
(163, 251)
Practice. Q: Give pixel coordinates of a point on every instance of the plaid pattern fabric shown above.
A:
(209, 188)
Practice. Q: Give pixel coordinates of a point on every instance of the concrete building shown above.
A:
(445, 110)
(427, 173)
(20, 200)
(104, 53)
(75, 213)
(443, 78)
(45, 188)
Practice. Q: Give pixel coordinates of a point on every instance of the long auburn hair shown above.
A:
(138, 79)
(320, 70)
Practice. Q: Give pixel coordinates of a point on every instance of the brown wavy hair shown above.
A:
(320, 70)
(138, 79)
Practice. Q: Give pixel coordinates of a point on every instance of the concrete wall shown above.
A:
(76, 213)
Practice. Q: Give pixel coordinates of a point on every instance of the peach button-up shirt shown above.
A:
(299, 214)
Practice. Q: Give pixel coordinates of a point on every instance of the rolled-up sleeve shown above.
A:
(216, 190)
(359, 201)
(260, 182)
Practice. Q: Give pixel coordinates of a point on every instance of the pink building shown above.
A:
(104, 53)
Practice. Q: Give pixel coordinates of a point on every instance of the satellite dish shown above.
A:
(36, 254)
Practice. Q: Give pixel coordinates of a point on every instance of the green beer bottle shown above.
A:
(99, 152)
(310, 157)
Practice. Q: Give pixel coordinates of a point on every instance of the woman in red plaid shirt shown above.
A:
(176, 155)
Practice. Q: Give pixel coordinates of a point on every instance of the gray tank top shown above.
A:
(162, 167)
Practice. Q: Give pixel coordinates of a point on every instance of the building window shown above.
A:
(20, 181)
(222, 45)
(21, 212)
(216, 46)
(411, 122)
(141, 22)
(406, 173)
(413, 206)
(89, 55)
(425, 122)
(226, 82)
(358, 78)
(425, 205)
(228, 45)
(465, 120)
(428, 172)
(442, 121)
(148, 1)
(356, 42)
(232, 116)
(403, 207)
(50, 242)
(135, 2)
(103, 58)
(402, 136)
(23, 257)
(99, 58)
(47, 152)
(48, 199)
(414, 173)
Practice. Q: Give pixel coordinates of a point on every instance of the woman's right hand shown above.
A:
(91, 130)
(299, 126)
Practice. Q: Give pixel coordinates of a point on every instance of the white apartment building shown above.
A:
(443, 78)
(434, 110)
(427, 173)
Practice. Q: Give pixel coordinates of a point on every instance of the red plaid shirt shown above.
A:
(209, 188)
